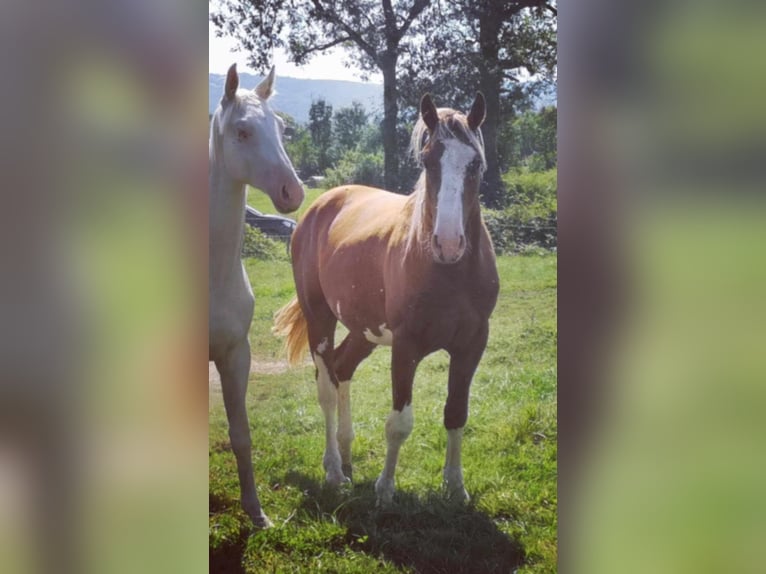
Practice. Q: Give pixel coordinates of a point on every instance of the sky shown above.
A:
(325, 66)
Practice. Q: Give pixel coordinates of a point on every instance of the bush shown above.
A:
(258, 245)
(528, 223)
(531, 194)
(356, 167)
(511, 234)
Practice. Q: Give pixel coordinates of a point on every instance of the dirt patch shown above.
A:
(256, 367)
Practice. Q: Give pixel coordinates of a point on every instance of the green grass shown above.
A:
(509, 452)
(262, 202)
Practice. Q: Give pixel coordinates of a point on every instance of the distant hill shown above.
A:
(294, 96)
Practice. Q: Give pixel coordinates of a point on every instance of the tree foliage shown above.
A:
(533, 139)
(495, 46)
(349, 124)
(505, 48)
(320, 128)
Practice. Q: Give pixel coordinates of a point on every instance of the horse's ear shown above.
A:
(232, 83)
(478, 112)
(266, 88)
(428, 112)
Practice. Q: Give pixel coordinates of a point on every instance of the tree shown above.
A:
(320, 128)
(491, 45)
(302, 153)
(375, 31)
(349, 124)
(533, 139)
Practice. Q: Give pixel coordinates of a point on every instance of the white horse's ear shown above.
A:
(232, 83)
(478, 112)
(266, 88)
(428, 112)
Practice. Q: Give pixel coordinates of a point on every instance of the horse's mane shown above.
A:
(452, 125)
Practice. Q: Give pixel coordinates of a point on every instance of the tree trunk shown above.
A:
(387, 64)
(492, 188)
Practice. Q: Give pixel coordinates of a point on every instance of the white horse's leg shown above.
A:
(234, 369)
(345, 427)
(453, 467)
(398, 428)
(328, 400)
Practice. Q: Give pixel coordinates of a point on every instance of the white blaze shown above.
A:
(449, 205)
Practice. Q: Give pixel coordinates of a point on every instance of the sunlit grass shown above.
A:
(509, 451)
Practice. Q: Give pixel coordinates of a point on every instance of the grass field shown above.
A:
(509, 452)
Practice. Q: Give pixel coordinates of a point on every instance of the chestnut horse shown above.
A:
(414, 272)
(245, 148)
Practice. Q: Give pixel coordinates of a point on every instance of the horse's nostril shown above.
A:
(285, 195)
(462, 242)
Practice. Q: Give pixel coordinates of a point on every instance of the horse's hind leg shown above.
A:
(321, 327)
(352, 351)
(234, 369)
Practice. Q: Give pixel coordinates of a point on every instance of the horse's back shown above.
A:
(339, 249)
(350, 215)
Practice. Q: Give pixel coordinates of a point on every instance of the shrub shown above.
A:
(356, 167)
(531, 194)
(512, 234)
(528, 223)
(258, 245)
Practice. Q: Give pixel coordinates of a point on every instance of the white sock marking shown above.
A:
(453, 468)
(345, 427)
(398, 428)
(328, 400)
(386, 337)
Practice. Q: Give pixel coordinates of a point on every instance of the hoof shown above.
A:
(456, 493)
(261, 521)
(384, 489)
(336, 480)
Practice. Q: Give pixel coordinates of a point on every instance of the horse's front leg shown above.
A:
(463, 363)
(400, 421)
(234, 369)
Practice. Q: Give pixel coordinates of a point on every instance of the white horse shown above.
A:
(245, 148)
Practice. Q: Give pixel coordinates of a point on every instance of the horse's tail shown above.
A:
(290, 323)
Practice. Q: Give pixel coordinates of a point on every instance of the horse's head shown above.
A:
(252, 142)
(451, 149)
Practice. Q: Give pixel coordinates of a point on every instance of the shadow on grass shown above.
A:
(226, 559)
(428, 534)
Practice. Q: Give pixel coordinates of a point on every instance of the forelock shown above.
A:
(243, 100)
(452, 125)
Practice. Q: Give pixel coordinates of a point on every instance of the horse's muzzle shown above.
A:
(448, 250)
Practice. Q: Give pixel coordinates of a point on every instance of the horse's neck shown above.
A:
(227, 216)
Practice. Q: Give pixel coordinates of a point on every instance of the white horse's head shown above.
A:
(251, 142)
